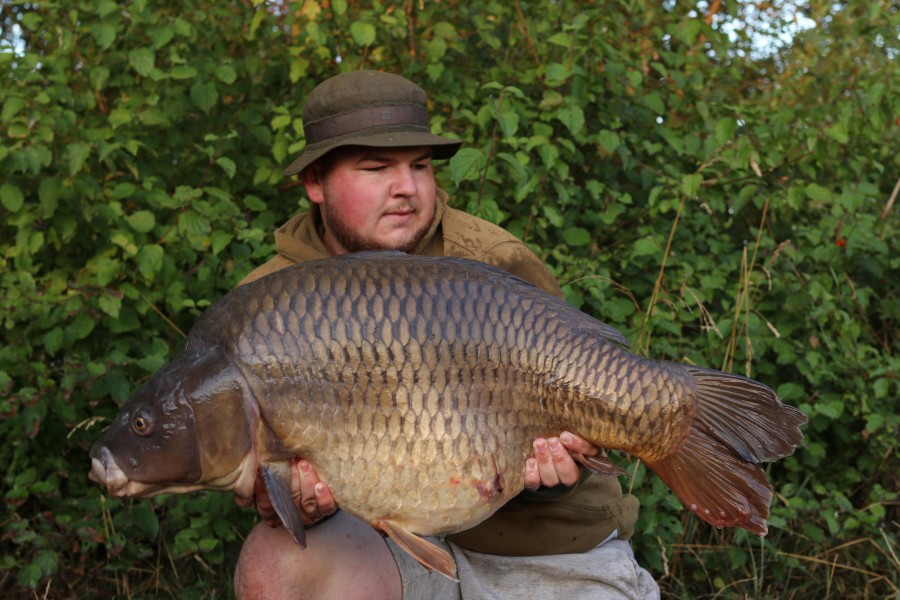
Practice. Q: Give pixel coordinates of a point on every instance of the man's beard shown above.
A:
(351, 241)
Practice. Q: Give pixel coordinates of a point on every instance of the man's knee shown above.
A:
(345, 558)
(268, 566)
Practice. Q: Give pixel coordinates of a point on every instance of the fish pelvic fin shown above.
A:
(599, 465)
(277, 477)
(432, 557)
(739, 423)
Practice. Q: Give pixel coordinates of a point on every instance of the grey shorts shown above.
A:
(608, 572)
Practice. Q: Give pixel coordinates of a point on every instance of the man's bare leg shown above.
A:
(344, 558)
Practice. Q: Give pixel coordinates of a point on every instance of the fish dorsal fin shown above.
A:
(277, 477)
(432, 557)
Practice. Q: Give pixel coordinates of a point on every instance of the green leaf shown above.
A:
(143, 516)
(363, 33)
(123, 190)
(563, 39)
(445, 30)
(838, 132)
(105, 8)
(281, 121)
(119, 116)
(466, 163)
(11, 197)
(518, 168)
(105, 269)
(220, 240)
(556, 219)
(53, 340)
(110, 305)
(11, 107)
(204, 95)
(576, 236)
(183, 72)
(226, 74)
(815, 191)
(160, 36)
(725, 128)
(99, 76)
(690, 184)
(104, 34)
(254, 203)
(208, 543)
(142, 60)
(646, 247)
(654, 102)
(193, 222)
(150, 260)
(80, 327)
(572, 117)
(227, 165)
(76, 153)
(609, 140)
(509, 123)
(557, 74)
(142, 221)
(18, 131)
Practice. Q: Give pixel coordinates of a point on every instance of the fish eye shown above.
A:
(142, 424)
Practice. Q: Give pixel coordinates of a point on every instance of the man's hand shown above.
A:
(311, 496)
(551, 463)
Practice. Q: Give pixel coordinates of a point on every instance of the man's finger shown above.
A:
(566, 469)
(578, 444)
(532, 476)
(324, 499)
(546, 468)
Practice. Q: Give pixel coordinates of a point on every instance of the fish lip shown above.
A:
(105, 471)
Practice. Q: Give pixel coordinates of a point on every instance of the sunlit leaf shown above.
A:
(363, 33)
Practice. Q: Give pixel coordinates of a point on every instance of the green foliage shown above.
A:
(719, 204)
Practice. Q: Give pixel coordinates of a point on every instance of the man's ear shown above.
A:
(312, 179)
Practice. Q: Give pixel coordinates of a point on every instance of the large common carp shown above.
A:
(416, 386)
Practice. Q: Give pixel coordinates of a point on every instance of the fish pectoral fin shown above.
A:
(599, 465)
(277, 477)
(430, 556)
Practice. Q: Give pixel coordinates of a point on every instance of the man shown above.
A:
(367, 169)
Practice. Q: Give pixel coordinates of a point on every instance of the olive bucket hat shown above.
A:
(367, 108)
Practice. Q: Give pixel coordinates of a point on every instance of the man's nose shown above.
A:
(404, 183)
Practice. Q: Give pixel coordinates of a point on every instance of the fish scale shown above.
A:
(416, 386)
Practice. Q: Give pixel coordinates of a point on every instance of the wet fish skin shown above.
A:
(416, 386)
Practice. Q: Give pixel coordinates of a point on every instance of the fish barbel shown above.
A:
(416, 386)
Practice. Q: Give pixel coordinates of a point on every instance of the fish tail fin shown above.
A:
(714, 471)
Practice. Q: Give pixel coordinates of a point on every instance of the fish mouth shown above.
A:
(106, 471)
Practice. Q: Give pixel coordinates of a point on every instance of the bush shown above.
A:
(720, 201)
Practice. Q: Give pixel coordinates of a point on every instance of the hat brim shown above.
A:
(442, 147)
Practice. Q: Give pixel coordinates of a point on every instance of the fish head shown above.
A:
(187, 429)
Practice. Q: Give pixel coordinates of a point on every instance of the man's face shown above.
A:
(374, 198)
